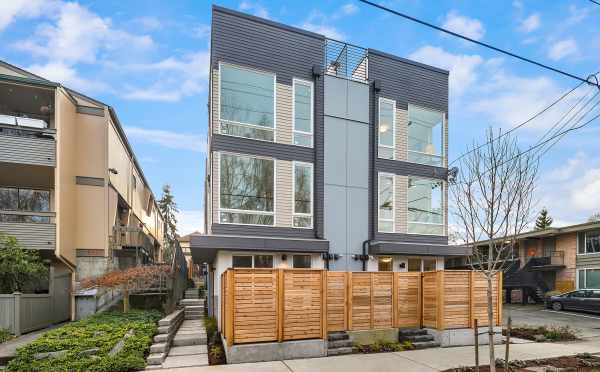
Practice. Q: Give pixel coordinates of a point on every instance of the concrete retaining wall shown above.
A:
(464, 337)
(270, 351)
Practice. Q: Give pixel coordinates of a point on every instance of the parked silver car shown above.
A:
(581, 300)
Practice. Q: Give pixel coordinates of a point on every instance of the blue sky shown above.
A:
(149, 60)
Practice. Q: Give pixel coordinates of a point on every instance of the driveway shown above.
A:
(587, 325)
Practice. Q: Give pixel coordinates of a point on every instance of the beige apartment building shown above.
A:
(70, 184)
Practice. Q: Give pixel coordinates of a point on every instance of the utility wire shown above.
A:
(539, 64)
(539, 113)
(595, 2)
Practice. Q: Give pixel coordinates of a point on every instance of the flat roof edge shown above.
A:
(408, 61)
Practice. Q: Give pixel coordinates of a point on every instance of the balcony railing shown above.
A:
(33, 230)
(554, 258)
(25, 145)
(346, 60)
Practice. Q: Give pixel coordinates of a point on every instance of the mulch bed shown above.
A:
(581, 362)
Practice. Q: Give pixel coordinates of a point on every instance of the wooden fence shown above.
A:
(259, 305)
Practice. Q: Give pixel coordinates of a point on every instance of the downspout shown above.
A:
(365, 255)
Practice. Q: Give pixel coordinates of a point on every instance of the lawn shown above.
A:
(85, 345)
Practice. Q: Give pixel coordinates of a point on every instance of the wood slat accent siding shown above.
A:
(26, 150)
(283, 193)
(401, 216)
(301, 304)
(401, 134)
(283, 113)
(215, 182)
(32, 235)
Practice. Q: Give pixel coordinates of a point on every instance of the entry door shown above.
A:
(61, 298)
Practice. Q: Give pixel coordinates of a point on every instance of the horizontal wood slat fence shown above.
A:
(259, 305)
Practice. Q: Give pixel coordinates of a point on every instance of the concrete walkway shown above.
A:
(415, 360)
(189, 346)
(8, 349)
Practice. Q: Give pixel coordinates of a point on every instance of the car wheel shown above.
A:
(557, 306)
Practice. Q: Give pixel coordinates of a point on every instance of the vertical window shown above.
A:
(247, 103)
(303, 113)
(425, 206)
(242, 261)
(592, 243)
(384, 264)
(302, 261)
(386, 203)
(425, 136)
(429, 265)
(263, 261)
(387, 128)
(414, 264)
(303, 195)
(246, 190)
(9, 199)
(589, 278)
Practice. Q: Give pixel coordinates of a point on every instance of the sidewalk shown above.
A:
(415, 360)
(8, 349)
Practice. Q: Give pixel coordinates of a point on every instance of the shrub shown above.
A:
(210, 323)
(544, 333)
(102, 331)
(382, 346)
(4, 335)
(18, 267)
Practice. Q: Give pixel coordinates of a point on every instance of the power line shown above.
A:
(538, 114)
(595, 2)
(525, 59)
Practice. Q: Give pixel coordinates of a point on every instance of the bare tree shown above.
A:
(493, 197)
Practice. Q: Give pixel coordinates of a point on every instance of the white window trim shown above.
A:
(393, 219)
(585, 278)
(219, 209)
(393, 147)
(312, 195)
(443, 142)
(274, 129)
(312, 118)
(586, 253)
(444, 211)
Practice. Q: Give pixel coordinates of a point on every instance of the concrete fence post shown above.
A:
(17, 313)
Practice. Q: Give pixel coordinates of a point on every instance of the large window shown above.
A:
(303, 195)
(303, 113)
(387, 128)
(302, 261)
(256, 261)
(246, 190)
(386, 203)
(247, 103)
(425, 136)
(417, 264)
(589, 278)
(24, 200)
(425, 206)
(591, 243)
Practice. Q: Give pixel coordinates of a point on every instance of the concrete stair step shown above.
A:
(339, 351)
(336, 336)
(416, 338)
(412, 332)
(191, 301)
(159, 348)
(194, 317)
(194, 312)
(339, 343)
(194, 308)
(188, 350)
(160, 338)
(425, 345)
(196, 360)
(156, 358)
(187, 340)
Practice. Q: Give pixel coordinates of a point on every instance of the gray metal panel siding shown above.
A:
(281, 151)
(289, 53)
(227, 229)
(404, 168)
(409, 82)
(27, 150)
(31, 235)
(411, 238)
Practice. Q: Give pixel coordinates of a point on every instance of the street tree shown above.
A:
(493, 195)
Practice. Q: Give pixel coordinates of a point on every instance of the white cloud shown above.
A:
(10, 10)
(470, 27)
(562, 49)
(201, 31)
(254, 8)
(326, 30)
(176, 78)
(67, 75)
(168, 139)
(148, 23)
(462, 67)
(189, 221)
(577, 15)
(349, 9)
(531, 23)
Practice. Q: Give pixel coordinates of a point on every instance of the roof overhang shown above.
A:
(418, 249)
(205, 247)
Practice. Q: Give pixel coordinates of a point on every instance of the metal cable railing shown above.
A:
(346, 60)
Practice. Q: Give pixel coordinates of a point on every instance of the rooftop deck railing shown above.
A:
(346, 60)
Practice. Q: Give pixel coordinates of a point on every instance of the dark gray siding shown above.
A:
(411, 238)
(409, 82)
(290, 53)
(262, 148)
(266, 231)
(405, 168)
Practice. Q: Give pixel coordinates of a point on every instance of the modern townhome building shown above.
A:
(555, 259)
(322, 154)
(70, 185)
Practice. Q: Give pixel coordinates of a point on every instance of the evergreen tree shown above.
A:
(543, 220)
(169, 210)
(18, 267)
(594, 217)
